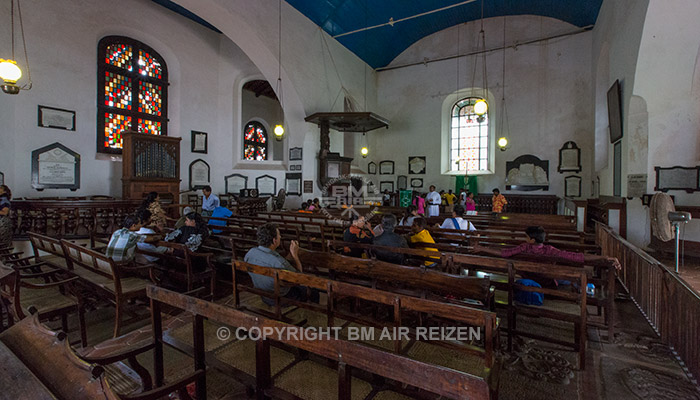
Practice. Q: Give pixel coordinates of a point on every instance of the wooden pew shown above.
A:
(344, 355)
(403, 279)
(194, 270)
(105, 277)
(25, 373)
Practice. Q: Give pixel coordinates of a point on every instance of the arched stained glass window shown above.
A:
(469, 137)
(254, 142)
(132, 91)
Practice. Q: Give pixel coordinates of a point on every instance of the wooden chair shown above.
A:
(105, 277)
(48, 293)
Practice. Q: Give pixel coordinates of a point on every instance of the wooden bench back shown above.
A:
(416, 278)
(91, 260)
(434, 379)
(46, 244)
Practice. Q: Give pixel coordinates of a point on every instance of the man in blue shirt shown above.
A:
(209, 201)
(219, 212)
(265, 255)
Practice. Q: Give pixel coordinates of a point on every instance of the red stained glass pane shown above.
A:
(115, 124)
(119, 55)
(149, 66)
(148, 126)
(261, 136)
(150, 98)
(117, 91)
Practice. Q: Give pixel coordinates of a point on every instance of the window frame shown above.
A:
(102, 109)
(448, 104)
(245, 142)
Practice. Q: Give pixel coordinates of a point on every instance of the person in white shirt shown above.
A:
(457, 222)
(433, 199)
(144, 258)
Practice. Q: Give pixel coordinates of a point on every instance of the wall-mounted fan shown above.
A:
(665, 220)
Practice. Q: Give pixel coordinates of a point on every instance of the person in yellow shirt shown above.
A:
(450, 199)
(419, 234)
(498, 201)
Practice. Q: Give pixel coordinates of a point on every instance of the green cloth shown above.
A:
(405, 198)
(469, 183)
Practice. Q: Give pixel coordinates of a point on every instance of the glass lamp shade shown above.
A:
(9, 71)
(364, 151)
(480, 107)
(502, 143)
(279, 131)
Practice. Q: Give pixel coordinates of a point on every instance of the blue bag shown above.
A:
(529, 298)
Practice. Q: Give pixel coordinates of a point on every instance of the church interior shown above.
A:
(351, 199)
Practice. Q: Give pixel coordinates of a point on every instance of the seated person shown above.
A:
(219, 212)
(304, 208)
(457, 222)
(359, 231)
(315, 206)
(148, 231)
(389, 239)
(152, 204)
(419, 234)
(265, 255)
(181, 222)
(192, 234)
(408, 217)
(534, 245)
(122, 243)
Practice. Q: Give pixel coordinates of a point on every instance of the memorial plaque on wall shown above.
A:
(308, 186)
(569, 158)
(636, 185)
(234, 183)
(266, 185)
(55, 167)
(199, 174)
(677, 178)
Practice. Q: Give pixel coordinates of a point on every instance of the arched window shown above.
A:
(469, 137)
(132, 91)
(254, 142)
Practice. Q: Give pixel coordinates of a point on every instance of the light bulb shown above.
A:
(9, 71)
(481, 107)
(502, 143)
(364, 151)
(279, 131)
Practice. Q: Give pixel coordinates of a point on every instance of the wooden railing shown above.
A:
(668, 302)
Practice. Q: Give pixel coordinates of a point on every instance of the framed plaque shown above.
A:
(636, 185)
(57, 118)
(416, 182)
(308, 186)
(234, 183)
(572, 186)
(416, 165)
(677, 178)
(2, 178)
(296, 153)
(292, 184)
(372, 168)
(199, 174)
(199, 142)
(527, 172)
(569, 158)
(55, 167)
(386, 167)
(386, 185)
(402, 182)
(266, 185)
(617, 169)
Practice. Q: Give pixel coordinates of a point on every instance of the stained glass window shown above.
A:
(469, 137)
(254, 142)
(133, 82)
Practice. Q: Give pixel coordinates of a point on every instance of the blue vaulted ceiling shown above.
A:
(379, 46)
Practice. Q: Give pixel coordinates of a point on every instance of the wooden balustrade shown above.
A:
(670, 304)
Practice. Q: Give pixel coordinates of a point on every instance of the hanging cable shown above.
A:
(24, 44)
